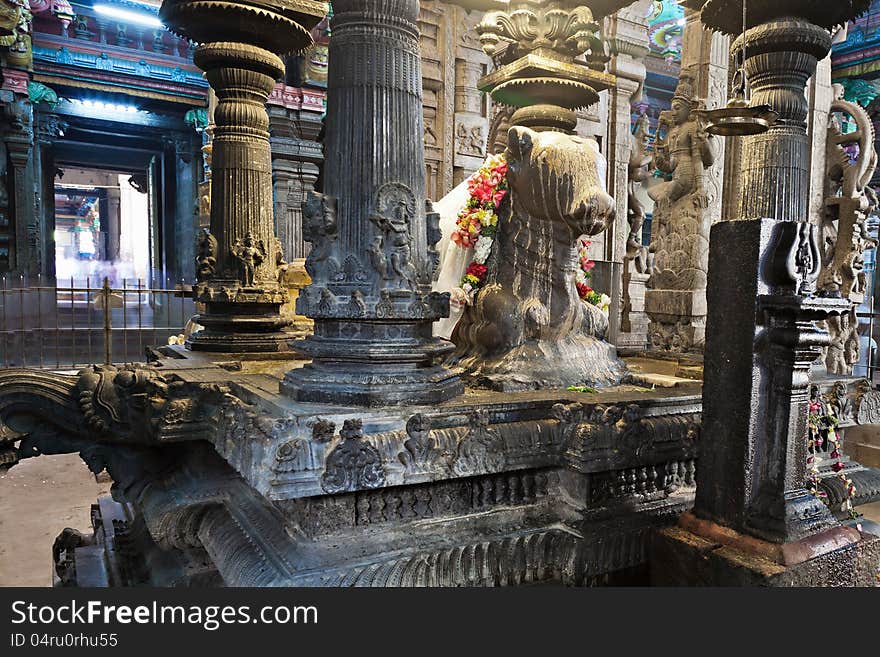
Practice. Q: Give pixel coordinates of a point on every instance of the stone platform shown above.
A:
(221, 480)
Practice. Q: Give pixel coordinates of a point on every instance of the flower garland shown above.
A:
(822, 427)
(584, 274)
(478, 221)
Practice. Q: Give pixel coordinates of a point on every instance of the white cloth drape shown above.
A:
(454, 260)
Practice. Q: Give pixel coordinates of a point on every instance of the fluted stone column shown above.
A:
(237, 264)
(373, 254)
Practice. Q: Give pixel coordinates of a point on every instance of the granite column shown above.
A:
(373, 238)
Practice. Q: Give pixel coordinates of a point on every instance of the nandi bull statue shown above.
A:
(527, 327)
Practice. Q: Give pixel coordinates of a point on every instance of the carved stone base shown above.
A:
(702, 553)
(240, 319)
(678, 319)
(372, 363)
(547, 364)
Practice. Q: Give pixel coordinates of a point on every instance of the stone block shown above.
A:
(673, 304)
(682, 558)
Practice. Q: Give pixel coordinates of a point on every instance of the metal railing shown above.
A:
(62, 326)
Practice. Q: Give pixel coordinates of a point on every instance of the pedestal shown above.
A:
(754, 521)
(373, 238)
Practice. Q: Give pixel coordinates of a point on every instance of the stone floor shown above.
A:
(40, 497)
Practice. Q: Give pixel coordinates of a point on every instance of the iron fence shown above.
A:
(62, 326)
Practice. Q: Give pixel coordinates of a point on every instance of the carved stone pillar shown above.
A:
(294, 123)
(472, 109)
(25, 257)
(628, 46)
(182, 150)
(47, 129)
(820, 95)
(676, 299)
(373, 255)
(238, 274)
(706, 55)
(751, 482)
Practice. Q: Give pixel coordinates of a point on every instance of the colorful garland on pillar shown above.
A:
(823, 427)
(476, 226)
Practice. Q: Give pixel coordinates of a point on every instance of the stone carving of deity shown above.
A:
(682, 149)
(250, 254)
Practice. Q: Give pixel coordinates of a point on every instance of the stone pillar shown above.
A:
(751, 480)
(294, 123)
(706, 54)
(238, 274)
(676, 299)
(373, 253)
(770, 445)
(628, 46)
(48, 128)
(182, 148)
(114, 224)
(25, 254)
(472, 108)
(820, 95)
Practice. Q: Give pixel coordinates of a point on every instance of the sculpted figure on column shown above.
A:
(851, 160)
(639, 171)
(678, 257)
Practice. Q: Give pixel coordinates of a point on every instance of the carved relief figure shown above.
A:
(15, 32)
(391, 254)
(851, 161)
(434, 235)
(250, 255)
(469, 141)
(678, 257)
(206, 260)
(320, 229)
(682, 149)
(281, 265)
(638, 172)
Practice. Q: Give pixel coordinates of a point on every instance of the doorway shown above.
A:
(102, 227)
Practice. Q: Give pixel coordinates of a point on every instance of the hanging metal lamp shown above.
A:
(739, 118)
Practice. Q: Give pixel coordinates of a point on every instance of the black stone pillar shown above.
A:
(754, 521)
(752, 472)
(373, 254)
